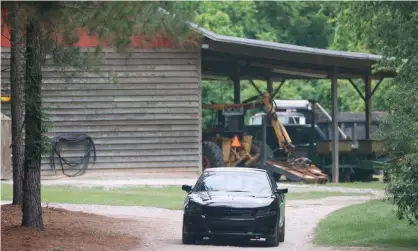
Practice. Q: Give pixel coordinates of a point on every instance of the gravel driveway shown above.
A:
(160, 229)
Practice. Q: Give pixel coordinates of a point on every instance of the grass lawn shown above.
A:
(371, 224)
(368, 185)
(171, 197)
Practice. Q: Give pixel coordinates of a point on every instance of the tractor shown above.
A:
(228, 142)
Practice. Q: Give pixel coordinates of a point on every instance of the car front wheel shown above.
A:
(187, 238)
(274, 240)
(282, 231)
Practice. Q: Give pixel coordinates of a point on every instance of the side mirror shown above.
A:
(186, 188)
(283, 190)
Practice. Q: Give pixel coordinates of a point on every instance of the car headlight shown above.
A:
(193, 207)
(265, 211)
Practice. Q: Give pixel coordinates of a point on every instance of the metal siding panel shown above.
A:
(199, 68)
(123, 61)
(137, 122)
(75, 87)
(135, 147)
(103, 105)
(115, 100)
(125, 164)
(148, 117)
(140, 134)
(133, 153)
(109, 80)
(127, 128)
(109, 111)
(147, 158)
(95, 86)
(118, 68)
(133, 116)
(65, 93)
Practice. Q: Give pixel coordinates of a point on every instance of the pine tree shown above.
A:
(17, 105)
(52, 28)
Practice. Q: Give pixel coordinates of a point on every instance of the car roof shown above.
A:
(235, 169)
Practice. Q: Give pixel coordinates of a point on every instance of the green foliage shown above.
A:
(219, 92)
(299, 23)
(391, 29)
(302, 23)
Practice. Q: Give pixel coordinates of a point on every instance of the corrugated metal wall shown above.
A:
(149, 118)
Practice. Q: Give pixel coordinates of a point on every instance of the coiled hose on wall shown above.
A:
(73, 139)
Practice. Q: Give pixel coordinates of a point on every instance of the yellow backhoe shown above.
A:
(227, 143)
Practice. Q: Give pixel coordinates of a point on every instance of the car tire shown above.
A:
(282, 231)
(187, 238)
(274, 241)
(212, 155)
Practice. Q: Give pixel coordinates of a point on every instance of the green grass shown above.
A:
(371, 224)
(367, 185)
(318, 195)
(164, 197)
(170, 197)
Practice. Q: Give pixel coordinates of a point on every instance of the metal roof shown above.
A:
(285, 47)
(281, 46)
(256, 59)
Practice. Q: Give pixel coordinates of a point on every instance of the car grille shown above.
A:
(229, 212)
(230, 229)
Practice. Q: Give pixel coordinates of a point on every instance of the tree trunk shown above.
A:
(32, 210)
(17, 105)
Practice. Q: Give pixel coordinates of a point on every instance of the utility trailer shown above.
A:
(359, 158)
(356, 163)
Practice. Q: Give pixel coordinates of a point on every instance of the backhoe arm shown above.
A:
(282, 136)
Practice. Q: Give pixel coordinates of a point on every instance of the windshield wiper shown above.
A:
(207, 192)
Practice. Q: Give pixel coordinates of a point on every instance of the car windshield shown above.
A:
(255, 183)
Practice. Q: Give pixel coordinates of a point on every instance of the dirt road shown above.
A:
(160, 229)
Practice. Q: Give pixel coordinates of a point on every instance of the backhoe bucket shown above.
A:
(298, 172)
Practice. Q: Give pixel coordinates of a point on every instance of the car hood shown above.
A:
(231, 199)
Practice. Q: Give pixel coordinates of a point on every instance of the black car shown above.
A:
(234, 202)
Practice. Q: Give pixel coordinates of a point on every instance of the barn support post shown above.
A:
(236, 78)
(270, 86)
(368, 105)
(312, 136)
(264, 141)
(237, 86)
(335, 136)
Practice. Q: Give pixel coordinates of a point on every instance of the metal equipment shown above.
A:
(227, 142)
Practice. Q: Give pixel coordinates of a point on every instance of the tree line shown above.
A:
(312, 24)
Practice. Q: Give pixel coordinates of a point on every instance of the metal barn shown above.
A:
(148, 118)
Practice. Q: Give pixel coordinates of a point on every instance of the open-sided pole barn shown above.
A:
(151, 116)
(240, 58)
